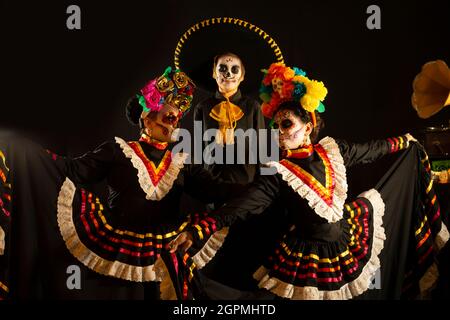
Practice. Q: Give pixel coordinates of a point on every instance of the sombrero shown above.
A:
(197, 47)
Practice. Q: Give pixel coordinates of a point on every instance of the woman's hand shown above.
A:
(410, 138)
(184, 241)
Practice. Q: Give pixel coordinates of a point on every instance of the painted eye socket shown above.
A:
(235, 69)
(171, 119)
(286, 124)
(223, 68)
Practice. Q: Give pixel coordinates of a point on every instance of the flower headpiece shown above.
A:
(281, 84)
(173, 87)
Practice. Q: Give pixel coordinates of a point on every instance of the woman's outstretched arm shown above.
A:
(361, 153)
(254, 200)
(92, 167)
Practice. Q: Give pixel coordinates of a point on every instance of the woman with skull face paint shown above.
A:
(333, 248)
(146, 180)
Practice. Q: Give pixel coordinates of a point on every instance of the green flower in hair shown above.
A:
(167, 71)
(142, 102)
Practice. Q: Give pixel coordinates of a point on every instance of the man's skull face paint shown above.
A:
(163, 123)
(292, 129)
(228, 73)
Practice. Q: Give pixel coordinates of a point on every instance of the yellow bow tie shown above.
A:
(227, 114)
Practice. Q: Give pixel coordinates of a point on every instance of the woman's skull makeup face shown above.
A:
(162, 124)
(228, 73)
(292, 129)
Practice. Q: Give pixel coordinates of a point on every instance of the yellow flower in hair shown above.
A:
(309, 103)
(316, 89)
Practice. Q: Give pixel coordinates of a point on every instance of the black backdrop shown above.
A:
(68, 88)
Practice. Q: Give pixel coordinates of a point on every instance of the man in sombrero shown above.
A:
(222, 68)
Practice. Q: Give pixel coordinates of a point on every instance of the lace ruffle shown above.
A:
(331, 213)
(159, 191)
(89, 258)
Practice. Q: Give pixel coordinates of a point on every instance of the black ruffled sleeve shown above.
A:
(361, 153)
(254, 200)
(91, 167)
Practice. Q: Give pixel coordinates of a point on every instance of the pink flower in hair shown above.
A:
(152, 96)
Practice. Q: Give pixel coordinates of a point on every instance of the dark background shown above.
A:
(67, 88)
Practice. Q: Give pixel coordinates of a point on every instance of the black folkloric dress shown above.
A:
(336, 248)
(121, 238)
